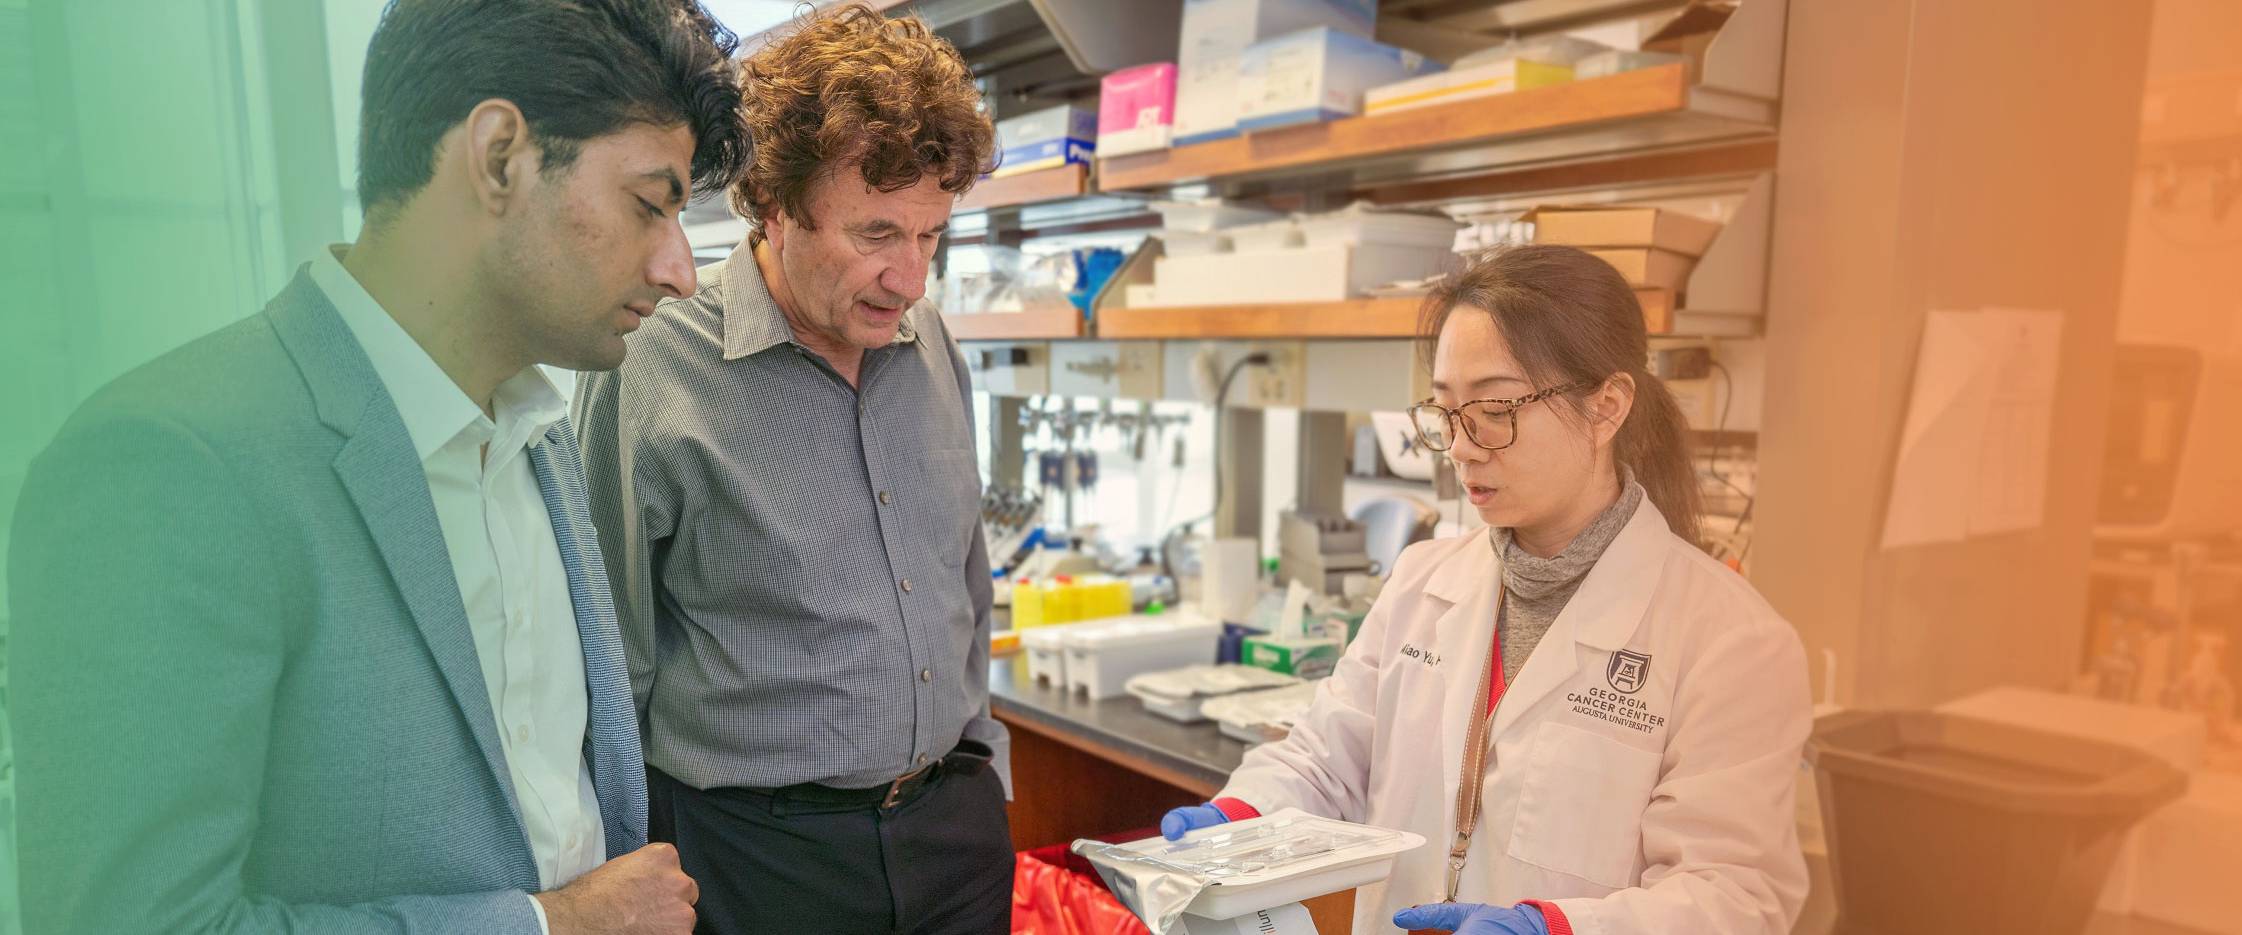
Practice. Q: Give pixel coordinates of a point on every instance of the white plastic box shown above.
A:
(1101, 656)
(1356, 225)
(1365, 856)
(1214, 38)
(1046, 649)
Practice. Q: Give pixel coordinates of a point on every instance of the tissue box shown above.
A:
(1046, 138)
(1214, 37)
(1311, 658)
(1315, 75)
(1502, 77)
(1136, 109)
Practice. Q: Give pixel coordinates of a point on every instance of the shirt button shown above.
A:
(521, 734)
(883, 498)
(906, 585)
(922, 757)
(926, 675)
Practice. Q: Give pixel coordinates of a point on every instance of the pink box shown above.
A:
(1136, 109)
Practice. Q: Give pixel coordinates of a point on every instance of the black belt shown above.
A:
(969, 758)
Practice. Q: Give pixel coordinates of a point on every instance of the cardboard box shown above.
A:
(1597, 226)
(1044, 139)
(1214, 38)
(1645, 266)
(1463, 84)
(1316, 75)
(1136, 109)
(1691, 32)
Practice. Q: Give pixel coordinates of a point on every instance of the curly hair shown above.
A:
(852, 87)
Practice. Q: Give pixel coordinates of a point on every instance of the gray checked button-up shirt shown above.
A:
(802, 583)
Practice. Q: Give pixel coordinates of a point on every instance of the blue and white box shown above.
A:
(1317, 74)
(1214, 38)
(1045, 139)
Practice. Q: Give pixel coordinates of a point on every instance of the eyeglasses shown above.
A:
(1491, 424)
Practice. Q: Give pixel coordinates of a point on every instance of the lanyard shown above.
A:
(1471, 785)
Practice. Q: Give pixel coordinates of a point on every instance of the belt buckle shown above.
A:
(895, 789)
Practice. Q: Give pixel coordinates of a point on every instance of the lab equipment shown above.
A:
(1473, 919)
(1239, 869)
(1230, 576)
(1047, 657)
(1391, 524)
(2169, 474)
(1179, 694)
(1319, 551)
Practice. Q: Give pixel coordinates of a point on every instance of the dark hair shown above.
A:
(1569, 317)
(852, 87)
(577, 69)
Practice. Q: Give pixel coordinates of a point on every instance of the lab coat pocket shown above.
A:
(1580, 808)
(948, 507)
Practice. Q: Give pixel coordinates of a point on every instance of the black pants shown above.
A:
(938, 863)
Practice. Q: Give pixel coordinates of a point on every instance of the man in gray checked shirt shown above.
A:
(784, 480)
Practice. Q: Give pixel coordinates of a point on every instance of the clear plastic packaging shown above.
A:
(1238, 868)
(1179, 694)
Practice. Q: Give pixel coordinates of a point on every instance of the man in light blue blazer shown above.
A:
(311, 632)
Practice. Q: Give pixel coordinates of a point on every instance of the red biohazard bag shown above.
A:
(1055, 892)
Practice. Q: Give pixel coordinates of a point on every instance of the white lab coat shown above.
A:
(1643, 794)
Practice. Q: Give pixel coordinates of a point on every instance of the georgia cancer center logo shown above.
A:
(1628, 671)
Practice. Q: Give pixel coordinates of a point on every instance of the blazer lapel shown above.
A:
(384, 478)
(611, 744)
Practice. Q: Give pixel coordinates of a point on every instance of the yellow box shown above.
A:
(1462, 84)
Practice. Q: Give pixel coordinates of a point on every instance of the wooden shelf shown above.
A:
(1068, 181)
(1038, 325)
(1355, 318)
(1632, 111)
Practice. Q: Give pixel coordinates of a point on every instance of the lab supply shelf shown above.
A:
(1651, 108)
(1053, 184)
(1037, 325)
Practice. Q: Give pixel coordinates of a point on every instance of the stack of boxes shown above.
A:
(1045, 139)
(1210, 55)
(1655, 249)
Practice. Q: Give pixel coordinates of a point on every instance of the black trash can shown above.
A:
(1944, 824)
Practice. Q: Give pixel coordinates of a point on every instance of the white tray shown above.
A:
(1345, 869)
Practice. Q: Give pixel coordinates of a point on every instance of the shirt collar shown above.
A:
(434, 409)
(752, 320)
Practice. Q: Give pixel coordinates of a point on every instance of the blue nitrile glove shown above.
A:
(1180, 821)
(1473, 919)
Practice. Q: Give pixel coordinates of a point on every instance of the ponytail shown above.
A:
(1569, 317)
(1654, 441)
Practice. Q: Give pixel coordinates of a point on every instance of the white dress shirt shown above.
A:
(508, 565)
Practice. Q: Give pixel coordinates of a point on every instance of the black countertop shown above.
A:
(1118, 729)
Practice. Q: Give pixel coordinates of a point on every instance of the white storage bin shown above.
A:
(1101, 656)
(1209, 215)
(1356, 226)
(1301, 274)
(1275, 860)
(1046, 649)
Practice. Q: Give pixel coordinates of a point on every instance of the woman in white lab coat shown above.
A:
(1648, 708)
